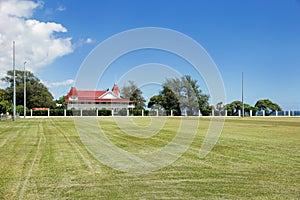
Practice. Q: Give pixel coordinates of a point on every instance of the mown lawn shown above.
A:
(255, 158)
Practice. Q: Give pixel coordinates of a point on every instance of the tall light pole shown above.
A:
(24, 90)
(14, 74)
(243, 106)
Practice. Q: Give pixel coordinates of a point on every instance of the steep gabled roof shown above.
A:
(116, 90)
(73, 92)
(109, 95)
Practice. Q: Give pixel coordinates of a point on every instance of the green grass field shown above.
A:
(255, 158)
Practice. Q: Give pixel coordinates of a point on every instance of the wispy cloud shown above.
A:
(59, 84)
(34, 39)
(82, 42)
(59, 89)
(61, 8)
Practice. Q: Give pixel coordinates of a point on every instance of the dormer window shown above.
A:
(73, 98)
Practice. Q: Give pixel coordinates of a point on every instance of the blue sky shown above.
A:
(259, 37)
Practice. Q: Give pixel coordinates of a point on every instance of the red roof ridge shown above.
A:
(93, 95)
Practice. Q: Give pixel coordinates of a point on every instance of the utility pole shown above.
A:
(14, 74)
(243, 106)
(24, 90)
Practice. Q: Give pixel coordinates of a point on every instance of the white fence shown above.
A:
(288, 113)
(81, 112)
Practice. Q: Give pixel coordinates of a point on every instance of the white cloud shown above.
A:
(82, 42)
(89, 40)
(61, 8)
(59, 84)
(35, 41)
(18, 8)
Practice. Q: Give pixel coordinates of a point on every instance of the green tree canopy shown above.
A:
(268, 106)
(37, 94)
(132, 92)
(220, 106)
(235, 106)
(181, 95)
(170, 101)
(62, 101)
(187, 94)
(4, 105)
(166, 100)
(202, 98)
(155, 102)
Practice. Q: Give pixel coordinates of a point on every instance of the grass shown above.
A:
(255, 158)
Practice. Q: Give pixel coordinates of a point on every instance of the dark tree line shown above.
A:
(264, 104)
(37, 94)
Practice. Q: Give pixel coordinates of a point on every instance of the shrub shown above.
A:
(104, 112)
(56, 112)
(40, 113)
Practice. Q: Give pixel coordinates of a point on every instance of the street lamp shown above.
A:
(243, 105)
(14, 79)
(24, 90)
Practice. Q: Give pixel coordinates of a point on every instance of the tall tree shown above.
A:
(166, 100)
(37, 94)
(132, 92)
(188, 94)
(170, 101)
(202, 98)
(267, 105)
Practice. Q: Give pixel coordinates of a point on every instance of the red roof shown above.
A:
(116, 90)
(102, 101)
(86, 96)
(40, 108)
(73, 92)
